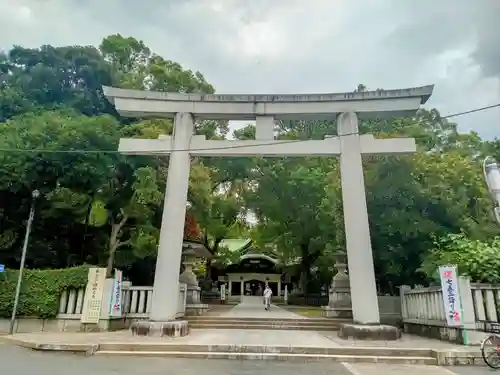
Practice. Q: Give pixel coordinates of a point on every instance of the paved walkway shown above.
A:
(253, 307)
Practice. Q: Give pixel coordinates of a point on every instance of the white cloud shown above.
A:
(290, 46)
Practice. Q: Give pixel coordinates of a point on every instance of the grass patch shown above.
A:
(309, 313)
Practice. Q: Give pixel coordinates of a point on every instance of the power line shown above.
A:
(48, 151)
(472, 111)
(174, 150)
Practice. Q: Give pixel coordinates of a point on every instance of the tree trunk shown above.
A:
(113, 245)
(208, 269)
(305, 268)
(213, 250)
(111, 262)
(86, 228)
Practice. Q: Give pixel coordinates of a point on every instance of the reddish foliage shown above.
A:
(191, 228)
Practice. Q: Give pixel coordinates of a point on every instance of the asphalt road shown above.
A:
(465, 370)
(20, 361)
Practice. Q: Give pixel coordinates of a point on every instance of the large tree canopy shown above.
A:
(59, 135)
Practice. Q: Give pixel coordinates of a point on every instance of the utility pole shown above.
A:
(34, 195)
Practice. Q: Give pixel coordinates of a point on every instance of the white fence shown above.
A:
(136, 302)
(425, 306)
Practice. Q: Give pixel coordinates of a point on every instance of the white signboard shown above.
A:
(115, 308)
(451, 295)
(93, 296)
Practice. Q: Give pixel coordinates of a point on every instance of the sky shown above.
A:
(296, 46)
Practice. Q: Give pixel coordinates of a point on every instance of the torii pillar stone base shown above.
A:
(174, 328)
(369, 332)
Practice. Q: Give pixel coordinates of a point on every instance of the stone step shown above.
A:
(273, 320)
(278, 357)
(158, 347)
(264, 321)
(265, 325)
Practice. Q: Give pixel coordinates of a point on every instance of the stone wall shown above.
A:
(28, 325)
(454, 335)
(390, 310)
(450, 334)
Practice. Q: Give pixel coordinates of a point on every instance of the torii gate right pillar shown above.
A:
(357, 231)
(365, 309)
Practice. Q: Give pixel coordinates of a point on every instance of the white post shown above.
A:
(285, 296)
(403, 289)
(230, 289)
(359, 251)
(279, 288)
(469, 315)
(166, 283)
(241, 290)
(223, 293)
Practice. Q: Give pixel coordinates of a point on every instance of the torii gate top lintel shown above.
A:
(138, 103)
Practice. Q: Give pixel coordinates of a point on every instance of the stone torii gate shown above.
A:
(185, 109)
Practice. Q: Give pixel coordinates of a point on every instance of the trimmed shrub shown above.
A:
(40, 290)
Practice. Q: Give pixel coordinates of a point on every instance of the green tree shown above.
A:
(99, 192)
(54, 77)
(141, 69)
(138, 208)
(480, 260)
(34, 156)
(217, 205)
(286, 196)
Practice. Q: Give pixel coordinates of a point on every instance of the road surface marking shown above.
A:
(351, 368)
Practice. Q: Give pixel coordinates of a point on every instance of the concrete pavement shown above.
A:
(389, 369)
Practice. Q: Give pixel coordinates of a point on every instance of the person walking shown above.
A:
(268, 293)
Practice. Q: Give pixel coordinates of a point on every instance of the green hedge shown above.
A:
(40, 290)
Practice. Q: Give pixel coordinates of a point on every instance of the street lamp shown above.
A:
(34, 195)
(491, 170)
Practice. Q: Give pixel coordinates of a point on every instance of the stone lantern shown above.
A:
(339, 296)
(191, 253)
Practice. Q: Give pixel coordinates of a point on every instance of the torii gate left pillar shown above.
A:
(164, 304)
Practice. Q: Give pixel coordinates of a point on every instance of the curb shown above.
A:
(352, 354)
(279, 357)
(87, 349)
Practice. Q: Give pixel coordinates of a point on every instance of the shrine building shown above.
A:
(252, 270)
